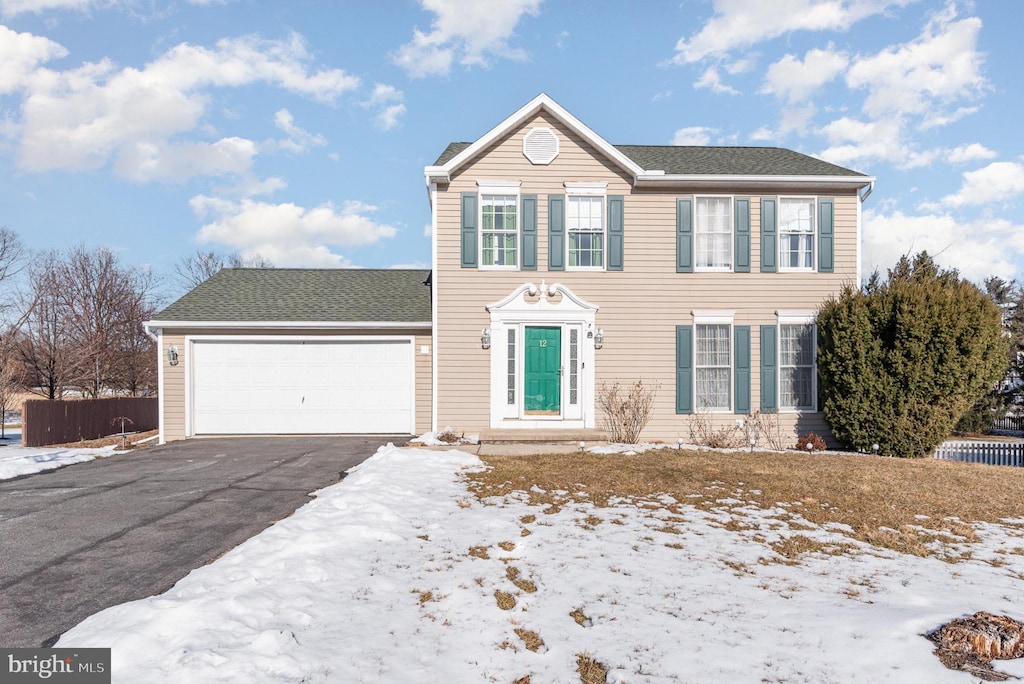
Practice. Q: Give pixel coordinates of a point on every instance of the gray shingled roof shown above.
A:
(316, 295)
(701, 160)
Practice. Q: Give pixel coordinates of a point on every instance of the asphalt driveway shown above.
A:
(85, 537)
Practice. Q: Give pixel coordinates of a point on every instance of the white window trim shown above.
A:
(796, 318)
(732, 236)
(580, 189)
(814, 235)
(499, 187)
(716, 318)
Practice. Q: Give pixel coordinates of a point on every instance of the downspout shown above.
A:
(433, 306)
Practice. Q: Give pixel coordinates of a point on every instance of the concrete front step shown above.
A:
(546, 436)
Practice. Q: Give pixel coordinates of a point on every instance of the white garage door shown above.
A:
(302, 387)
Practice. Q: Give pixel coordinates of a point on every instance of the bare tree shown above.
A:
(11, 374)
(197, 268)
(13, 258)
(83, 328)
(46, 347)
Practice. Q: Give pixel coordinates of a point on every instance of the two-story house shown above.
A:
(562, 263)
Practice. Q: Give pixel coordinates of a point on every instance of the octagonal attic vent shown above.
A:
(540, 145)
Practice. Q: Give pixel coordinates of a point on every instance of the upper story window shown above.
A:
(796, 233)
(713, 225)
(585, 225)
(499, 224)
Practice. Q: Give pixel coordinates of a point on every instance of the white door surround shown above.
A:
(544, 306)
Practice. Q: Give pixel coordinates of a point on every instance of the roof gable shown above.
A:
(262, 295)
(458, 154)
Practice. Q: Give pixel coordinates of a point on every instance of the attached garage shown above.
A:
(311, 386)
(297, 351)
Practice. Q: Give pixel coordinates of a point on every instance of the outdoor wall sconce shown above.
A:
(485, 339)
(172, 355)
(599, 339)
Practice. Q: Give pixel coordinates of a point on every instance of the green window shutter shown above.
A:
(741, 234)
(528, 229)
(769, 370)
(769, 246)
(556, 232)
(684, 369)
(615, 229)
(826, 237)
(684, 236)
(469, 232)
(741, 334)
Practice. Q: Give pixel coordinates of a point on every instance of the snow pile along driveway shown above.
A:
(16, 460)
(399, 574)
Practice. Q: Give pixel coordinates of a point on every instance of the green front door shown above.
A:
(542, 376)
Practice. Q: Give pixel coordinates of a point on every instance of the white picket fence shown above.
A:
(990, 453)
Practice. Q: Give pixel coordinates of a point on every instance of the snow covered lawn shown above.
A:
(17, 460)
(400, 574)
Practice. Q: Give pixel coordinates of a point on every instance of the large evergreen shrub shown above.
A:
(901, 361)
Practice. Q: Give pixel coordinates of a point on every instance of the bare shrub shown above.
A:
(626, 412)
(810, 442)
(704, 432)
(449, 436)
(767, 426)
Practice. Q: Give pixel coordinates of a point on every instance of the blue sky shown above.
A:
(299, 130)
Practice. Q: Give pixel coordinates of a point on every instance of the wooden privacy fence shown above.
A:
(991, 453)
(58, 422)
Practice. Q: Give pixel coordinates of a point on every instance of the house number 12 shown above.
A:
(543, 343)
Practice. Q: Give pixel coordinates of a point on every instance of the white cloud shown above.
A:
(287, 234)
(148, 161)
(428, 231)
(968, 153)
(854, 141)
(796, 80)
(467, 31)
(922, 77)
(387, 101)
(10, 8)
(711, 79)
(83, 118)
(693, 135)
(299, 139)
(997, 182)
(743, 23)
(21, 54)
(763, 134)
(977, 249)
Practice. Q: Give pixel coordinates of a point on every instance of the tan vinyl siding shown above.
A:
(424, 368)
(174, 376)
(639, 306)
(173, 389)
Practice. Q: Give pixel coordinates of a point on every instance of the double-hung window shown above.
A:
(796, 233)
(712, 366)
(713, 224)
(499, 230)
(796, 366)
(500, 227)
(585, 225)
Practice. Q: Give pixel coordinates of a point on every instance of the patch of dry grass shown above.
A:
(580, 617)
(590, 670)
(505, 600)
(515, 577)
(479, 552)
(131, 439)
(880, 499)
(531, 639)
